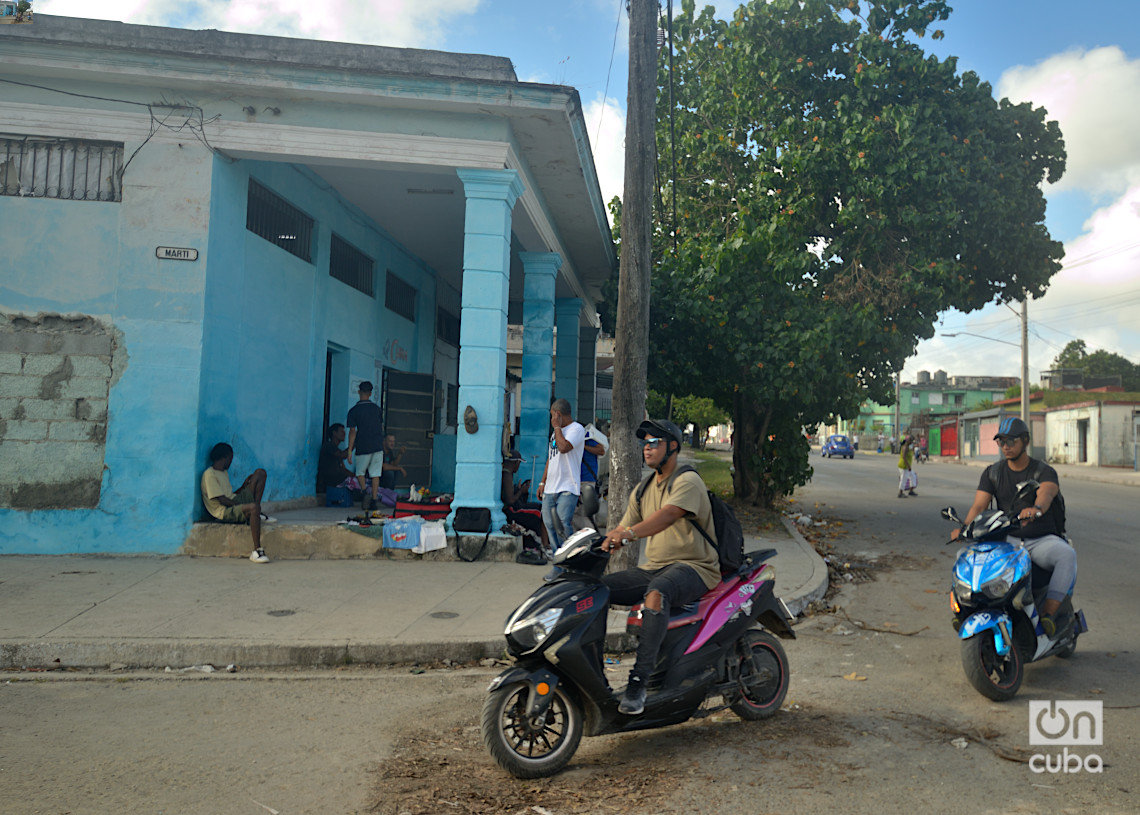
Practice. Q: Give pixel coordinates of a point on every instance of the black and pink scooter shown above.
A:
(537, 711)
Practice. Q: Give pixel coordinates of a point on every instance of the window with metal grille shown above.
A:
(69, 169)
(349, 265)
(447, 326)
(400, 297)
(270, 216)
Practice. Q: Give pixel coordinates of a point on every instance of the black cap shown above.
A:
(514, 455)
(662, 428)
(1013, 427)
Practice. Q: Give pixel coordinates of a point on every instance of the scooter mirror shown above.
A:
(950, 514)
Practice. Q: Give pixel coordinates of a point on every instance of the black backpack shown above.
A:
(729, 544)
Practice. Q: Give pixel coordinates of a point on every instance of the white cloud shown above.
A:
(402, 23)
(608, 144)
(1092, 96)
(1095, 297)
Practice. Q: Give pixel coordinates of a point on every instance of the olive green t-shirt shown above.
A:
(680, 542)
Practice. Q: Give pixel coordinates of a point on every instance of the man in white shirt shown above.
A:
(561, 478)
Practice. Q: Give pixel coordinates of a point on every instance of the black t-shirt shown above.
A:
(1001, 482)
(330, 470)
(365, 417)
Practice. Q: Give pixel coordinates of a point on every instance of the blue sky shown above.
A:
(1081, 61)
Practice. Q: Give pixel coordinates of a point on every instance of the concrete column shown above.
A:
(566, 359)
(587, 373)
(541, 269)
(491, 195)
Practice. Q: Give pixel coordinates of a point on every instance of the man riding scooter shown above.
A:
(680, 565)
(1042, 521)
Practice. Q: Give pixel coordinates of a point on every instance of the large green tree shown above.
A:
(1099, 363)
(836, 188)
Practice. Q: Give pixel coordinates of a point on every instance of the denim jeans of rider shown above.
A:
(678, 584)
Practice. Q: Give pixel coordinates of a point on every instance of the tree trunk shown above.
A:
(750, 437)
(631, 338)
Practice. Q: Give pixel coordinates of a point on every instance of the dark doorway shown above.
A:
(409, 413)
(1082, 441)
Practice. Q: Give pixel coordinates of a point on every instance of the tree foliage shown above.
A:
(836, 189)
(1099, 363)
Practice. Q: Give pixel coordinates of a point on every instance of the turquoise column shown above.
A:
(491, 195)
(587, 373)
(541, 270)
(566, 361)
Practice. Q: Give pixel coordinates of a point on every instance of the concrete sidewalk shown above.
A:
(96, 611)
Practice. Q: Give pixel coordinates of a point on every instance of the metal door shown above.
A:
(409, 413)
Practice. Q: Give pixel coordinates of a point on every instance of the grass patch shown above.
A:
(715, 470)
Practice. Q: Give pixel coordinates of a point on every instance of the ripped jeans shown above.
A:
(679, 584)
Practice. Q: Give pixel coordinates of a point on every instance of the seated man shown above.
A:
(523, 517)
(680, 565)
(331, 471)
(391, 464)
(228, 506)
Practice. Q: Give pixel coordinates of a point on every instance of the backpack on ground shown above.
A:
(729, 544)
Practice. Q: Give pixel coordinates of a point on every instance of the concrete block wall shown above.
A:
(55, 375)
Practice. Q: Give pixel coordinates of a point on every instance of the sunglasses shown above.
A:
(1006, 442)
(652, 443)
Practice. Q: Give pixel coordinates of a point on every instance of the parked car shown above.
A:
(838, 445)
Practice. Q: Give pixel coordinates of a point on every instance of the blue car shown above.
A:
(838, 445)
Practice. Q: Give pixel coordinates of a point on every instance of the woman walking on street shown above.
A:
(908, 480)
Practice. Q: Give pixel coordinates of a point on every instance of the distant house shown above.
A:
(1098, 433)
(216, 237)
(10, 13)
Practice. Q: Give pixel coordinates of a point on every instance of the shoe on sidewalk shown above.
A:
(258, 556)
(912, 492)
(633, 700)
(902, 494)
(268, 519)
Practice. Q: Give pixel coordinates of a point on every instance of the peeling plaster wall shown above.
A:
(55, 375)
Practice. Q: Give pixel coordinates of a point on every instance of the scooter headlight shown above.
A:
(963, 591)
(999, 587)
(531, 631)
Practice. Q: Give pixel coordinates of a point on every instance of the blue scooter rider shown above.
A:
(1042, 522)
(680, 566)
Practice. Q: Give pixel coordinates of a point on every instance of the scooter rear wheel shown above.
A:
(761, 668)
(991, 675)
(524, 747)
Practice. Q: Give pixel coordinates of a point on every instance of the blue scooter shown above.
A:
(995, 593)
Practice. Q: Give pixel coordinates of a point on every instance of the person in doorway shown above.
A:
(561, 477)
(680, 565)
(391, 465)
(242, 506)
(331, 471)
(365, 443)
(908, 479)
(1042, 516)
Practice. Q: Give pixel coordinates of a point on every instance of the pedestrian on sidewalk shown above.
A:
(366, 443)
(561, 477)
(908, 478)
(230, 507)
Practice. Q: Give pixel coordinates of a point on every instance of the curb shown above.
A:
(816, 585)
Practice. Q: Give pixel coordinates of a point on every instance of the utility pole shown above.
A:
(631, 338)
(1025, 361)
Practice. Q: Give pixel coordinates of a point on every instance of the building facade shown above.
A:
(216, 237)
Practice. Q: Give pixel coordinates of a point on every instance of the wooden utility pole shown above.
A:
(631, 340)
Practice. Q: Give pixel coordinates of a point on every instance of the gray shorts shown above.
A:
(369, 463)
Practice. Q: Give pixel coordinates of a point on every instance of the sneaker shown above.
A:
(902, 494)
(258, 556)
(268, 519)
(633, 700)
(912, 492)
(550, 576)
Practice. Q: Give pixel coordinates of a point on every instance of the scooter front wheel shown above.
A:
(761, 668)
(526, 747)
(992, 675)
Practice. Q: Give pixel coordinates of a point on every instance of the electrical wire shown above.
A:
(609, 73)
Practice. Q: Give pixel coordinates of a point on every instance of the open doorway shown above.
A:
(1082, 441)
(336, 386)
(409, 413)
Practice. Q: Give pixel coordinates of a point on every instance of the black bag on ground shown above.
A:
(475, 520)
(729, 543)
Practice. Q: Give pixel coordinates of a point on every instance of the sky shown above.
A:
(1079, 60)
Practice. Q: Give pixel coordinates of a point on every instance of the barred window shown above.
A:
(270, 216)
(400, 297)
(447, 326)
(349, 265)
(68, 169)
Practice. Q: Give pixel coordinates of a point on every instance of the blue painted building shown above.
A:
(215, 237)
